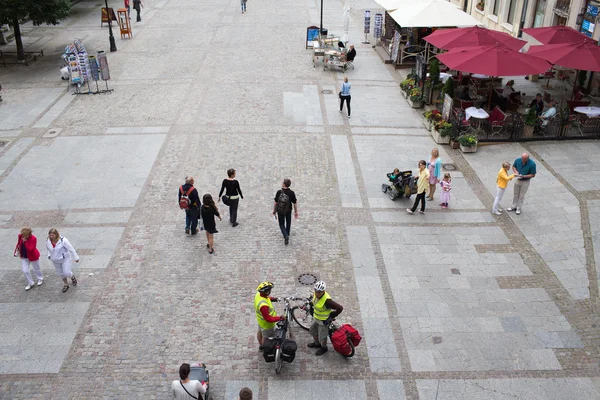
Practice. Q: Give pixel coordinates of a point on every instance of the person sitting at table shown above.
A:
(508, 90)
(548, 114)
(538, 103)
(351, 54)
(464, 95)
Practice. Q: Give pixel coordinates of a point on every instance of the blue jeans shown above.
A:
(191, 220)
(243, 6)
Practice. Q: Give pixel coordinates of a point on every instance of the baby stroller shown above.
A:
(401, 184)
(199, 372)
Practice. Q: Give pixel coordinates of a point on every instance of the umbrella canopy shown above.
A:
(557, 34)
(469, 37)
(390, 5)
(494, 60)
(346, 21)
(584, 56)
(430, 13)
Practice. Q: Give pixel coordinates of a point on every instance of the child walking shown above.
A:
(209, 211)
(502, 183)
(446, 187)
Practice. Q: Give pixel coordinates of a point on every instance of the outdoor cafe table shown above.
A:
(589, 111)
(478, 113)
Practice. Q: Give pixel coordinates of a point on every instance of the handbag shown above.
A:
(225, 200)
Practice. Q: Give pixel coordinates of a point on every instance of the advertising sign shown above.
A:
(367, 22)
(378, 25)
(312, 35)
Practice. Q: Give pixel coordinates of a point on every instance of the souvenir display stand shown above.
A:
(83, 68)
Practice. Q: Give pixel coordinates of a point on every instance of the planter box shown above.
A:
(403, 93)
(427, 124)
(439, 139)
(454, 144)
(416, 104)
(528, 131)
(468, 149)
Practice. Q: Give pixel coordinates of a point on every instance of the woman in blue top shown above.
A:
(345, 95)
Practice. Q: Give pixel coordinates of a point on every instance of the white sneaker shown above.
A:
(500, 209)
(408, 210)
(40, 281)
(27, 287)
(518, 211)
(348, 116)
(340, 110)
(497, 213)
(511, 208)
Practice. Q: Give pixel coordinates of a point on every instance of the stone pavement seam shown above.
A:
(588, 244)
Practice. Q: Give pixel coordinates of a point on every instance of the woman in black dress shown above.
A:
(208, 211)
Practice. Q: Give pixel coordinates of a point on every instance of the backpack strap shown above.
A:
(189, 191)
(181, 189)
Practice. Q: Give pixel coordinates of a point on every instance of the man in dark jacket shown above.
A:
(191, 214)
(351, 54)
(538, 103)
(285, 201)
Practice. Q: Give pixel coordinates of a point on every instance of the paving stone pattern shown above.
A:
(454, 304)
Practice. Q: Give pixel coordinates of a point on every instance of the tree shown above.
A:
(38, 11)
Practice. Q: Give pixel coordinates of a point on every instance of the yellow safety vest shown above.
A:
(321, 312)
(259, 302)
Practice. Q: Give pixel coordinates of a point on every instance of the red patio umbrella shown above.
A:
(557, 34)
(469, 37)
(583, 56)
(495, 60)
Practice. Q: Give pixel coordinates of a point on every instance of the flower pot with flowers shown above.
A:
(442, 132)
(468, 143)
(407, 85)
(415, 97)
(481, 5)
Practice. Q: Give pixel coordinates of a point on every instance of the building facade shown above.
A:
(511, 16)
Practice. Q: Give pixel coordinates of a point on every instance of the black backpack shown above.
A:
(284, 204)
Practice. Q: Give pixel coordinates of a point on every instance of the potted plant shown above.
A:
(427, 120)
(530, 122)
(481, 5)
(406, 86)
(415, 97)
(442, 132)
(449, 88)
(468, 143)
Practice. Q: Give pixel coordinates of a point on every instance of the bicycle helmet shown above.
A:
(265, 286)
(320, 286)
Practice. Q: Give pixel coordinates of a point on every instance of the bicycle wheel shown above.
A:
(279, 361)
(352, 347)
(302, 317)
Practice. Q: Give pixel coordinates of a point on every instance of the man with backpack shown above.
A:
(325, 310)
(189, 201)
(285, 199)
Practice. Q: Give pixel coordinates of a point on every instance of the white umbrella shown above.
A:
(346, 21)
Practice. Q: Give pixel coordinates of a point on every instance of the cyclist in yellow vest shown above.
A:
(325, 310)
(265, 313)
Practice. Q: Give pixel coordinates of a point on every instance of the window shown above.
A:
(540, 7)
(496, 7)
(511, 11)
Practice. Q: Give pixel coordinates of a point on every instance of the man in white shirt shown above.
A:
(549, 113)
(186, 389)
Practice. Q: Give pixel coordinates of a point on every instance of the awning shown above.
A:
(390, 5)
(430, 14)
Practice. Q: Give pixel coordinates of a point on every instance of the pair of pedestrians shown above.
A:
(524, 169)
(59, 251)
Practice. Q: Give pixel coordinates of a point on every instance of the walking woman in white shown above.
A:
(61, 253)
(26, 249)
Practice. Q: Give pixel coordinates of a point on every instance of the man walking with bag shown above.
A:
(189, 201)
(285, 199)
(325, 310)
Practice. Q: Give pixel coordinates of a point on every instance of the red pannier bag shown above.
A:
(354, 335)
(339, 340)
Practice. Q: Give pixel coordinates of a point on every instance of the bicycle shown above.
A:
(304, 316)
(282, 330)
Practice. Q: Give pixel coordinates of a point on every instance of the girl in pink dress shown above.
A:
(446, 187)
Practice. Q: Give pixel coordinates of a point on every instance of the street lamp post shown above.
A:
(111, 38)
(321, 24)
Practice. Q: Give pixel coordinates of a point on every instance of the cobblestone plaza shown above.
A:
(454, 304)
